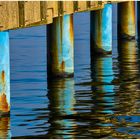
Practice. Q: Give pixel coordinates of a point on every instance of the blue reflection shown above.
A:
(103, 75)
(62, 101)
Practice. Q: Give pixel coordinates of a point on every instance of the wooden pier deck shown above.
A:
(20, 14)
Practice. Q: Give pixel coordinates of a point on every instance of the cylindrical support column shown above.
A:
(101, 30)
(126, 20)
(4, 74)
(60, 47)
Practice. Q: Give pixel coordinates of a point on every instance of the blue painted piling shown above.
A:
(4, 73)
(60, 47)
(101, 30)
(126, 20)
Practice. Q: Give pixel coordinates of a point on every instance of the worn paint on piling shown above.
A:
(4, 73)
(126, 20)
(4, 107)
(101, 30)
(60, 47)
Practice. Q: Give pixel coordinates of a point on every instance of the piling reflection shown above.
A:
(103, 92)
(129, 77)
(128, 94)
(103, 95)
(5, 128)
(61, 96)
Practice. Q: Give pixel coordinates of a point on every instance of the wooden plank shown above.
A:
(21, 14)
(9, 15)
(93, 4)
(45, 5)
(54, 6)
(14, 14)
(68, 7)
(49, 16)
(32, 12)
(82, 5)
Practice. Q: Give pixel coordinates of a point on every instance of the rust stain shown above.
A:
(4, 107)
(63, 66)
(3, 77)
(4, 127)
(71, 29)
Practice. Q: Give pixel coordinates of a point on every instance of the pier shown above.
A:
(58, 17)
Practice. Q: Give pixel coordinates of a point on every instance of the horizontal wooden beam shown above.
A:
(21, 14)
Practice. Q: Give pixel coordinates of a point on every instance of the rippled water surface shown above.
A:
(101, 101)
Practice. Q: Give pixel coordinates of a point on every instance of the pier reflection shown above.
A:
(128, 93)
(103, 91)
(128, 77)
(5, 128)
(61, 96)
(103, 96)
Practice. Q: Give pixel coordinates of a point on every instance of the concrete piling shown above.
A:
(60, 47)
(101, 30)
(4, 74)
(126, 20)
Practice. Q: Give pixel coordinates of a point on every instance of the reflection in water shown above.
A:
(129, 86)
(129, 77)
(103, 92)
(5, 128)
(102, 101)
(129, 92)
(103, 95)
(61, 96)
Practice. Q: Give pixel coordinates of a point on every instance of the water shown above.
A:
(101, 101)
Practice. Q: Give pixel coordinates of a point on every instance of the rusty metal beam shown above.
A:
(60, 47)
(4, 74)
(126, 20)
(101, 30)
